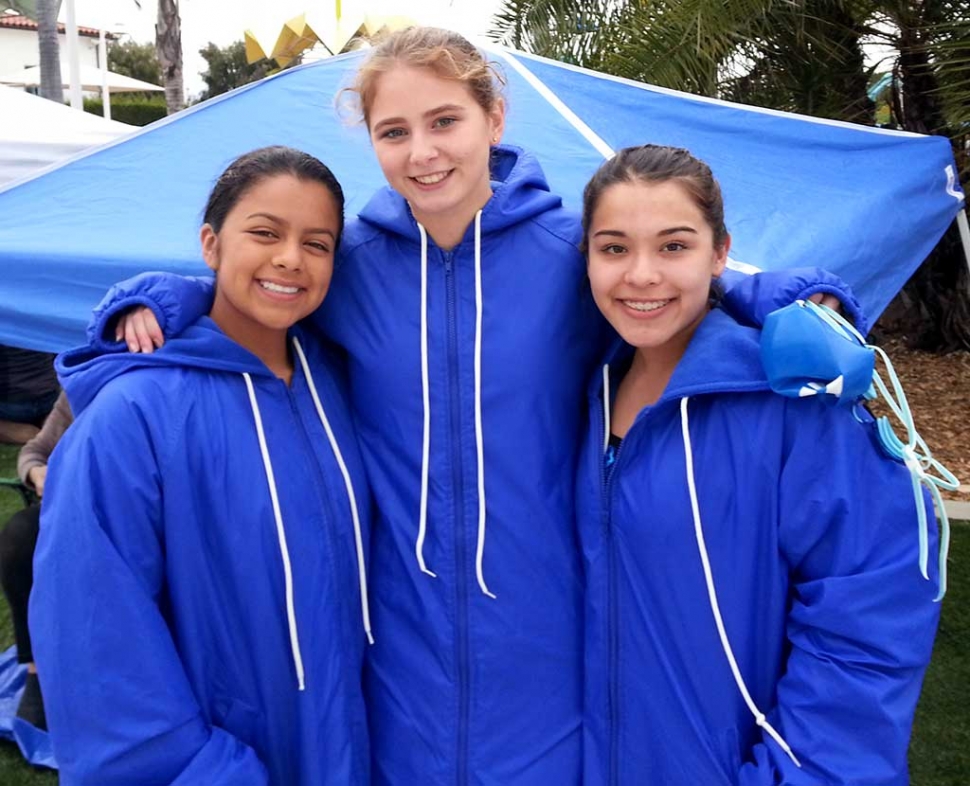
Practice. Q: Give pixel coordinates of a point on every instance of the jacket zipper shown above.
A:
(322, 489)
(461, 573)
(348, 619)
(612, 632)
(613, 626)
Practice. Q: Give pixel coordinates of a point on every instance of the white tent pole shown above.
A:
(103, 60)
(964, 227)
(555, 101)
(73, 57)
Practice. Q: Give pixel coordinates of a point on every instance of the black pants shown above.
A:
(17, 543)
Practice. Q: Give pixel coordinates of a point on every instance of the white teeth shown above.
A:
(646, 305)
(279, 288)
(430, 180)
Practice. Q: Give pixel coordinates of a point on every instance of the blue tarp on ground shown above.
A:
(865, 203)
(34, 744)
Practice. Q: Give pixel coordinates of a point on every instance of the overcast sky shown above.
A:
(225, 21)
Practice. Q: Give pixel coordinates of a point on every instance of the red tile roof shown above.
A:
(17, 22)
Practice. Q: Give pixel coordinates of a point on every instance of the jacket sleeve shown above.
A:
(750, 298)
(119, 706)
(37, 452)
(862, 618)
(177, 302)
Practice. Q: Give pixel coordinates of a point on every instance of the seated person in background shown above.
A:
(28, 388)
(17, 542)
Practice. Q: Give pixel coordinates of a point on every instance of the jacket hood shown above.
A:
(519, 192)
(86, 370)
(722, 356)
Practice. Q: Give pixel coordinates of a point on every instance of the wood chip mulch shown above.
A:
(938, 390)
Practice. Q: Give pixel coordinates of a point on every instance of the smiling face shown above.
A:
(651, 260)
(273, 258)
(433, 142)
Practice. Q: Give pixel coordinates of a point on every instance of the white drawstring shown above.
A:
(712, 595)
(479, 441)
(606, 408)
(426, 402)
(925, 471)
(348, 485)
(280, 535)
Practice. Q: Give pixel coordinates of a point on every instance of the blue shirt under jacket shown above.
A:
(464, 688)
(811, 534)
(170, 651)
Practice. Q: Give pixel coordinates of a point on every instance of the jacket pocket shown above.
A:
(729, 752)
(239, 719)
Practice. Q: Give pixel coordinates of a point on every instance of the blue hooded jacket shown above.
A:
(185, 632)
(464, 687)
(809, 532)
(467, 374)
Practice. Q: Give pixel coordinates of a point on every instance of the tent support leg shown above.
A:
(964, 227)
(74, 65)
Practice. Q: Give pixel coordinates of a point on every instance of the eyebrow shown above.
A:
(390, 121)
(278, 220)
(662, 233)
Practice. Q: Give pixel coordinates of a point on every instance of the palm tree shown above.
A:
(44, 12)
(168, 44)
(796, 55)
(51, 85)
(801, 55)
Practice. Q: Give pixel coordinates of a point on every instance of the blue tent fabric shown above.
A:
(34, 743)
(865, 203)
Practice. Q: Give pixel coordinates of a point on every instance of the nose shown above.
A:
(423, 148)
(643, 270)
(288, 256)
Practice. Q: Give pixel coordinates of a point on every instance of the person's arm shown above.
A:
(175, 302)
(145, 310)
(862, 617)
(34, 455)
(750, 298)
(119, 706)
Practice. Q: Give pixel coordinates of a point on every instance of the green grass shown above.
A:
(940, 752)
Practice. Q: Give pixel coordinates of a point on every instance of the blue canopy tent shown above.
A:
(866, 203)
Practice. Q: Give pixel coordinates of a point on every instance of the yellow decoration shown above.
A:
(298, 35)
(254, 51)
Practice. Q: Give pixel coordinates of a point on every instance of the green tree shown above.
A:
(26, 8)
(227, 68)
(139, 61)
(795, 55)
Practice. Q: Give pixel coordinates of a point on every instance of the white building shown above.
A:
(19, 47)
